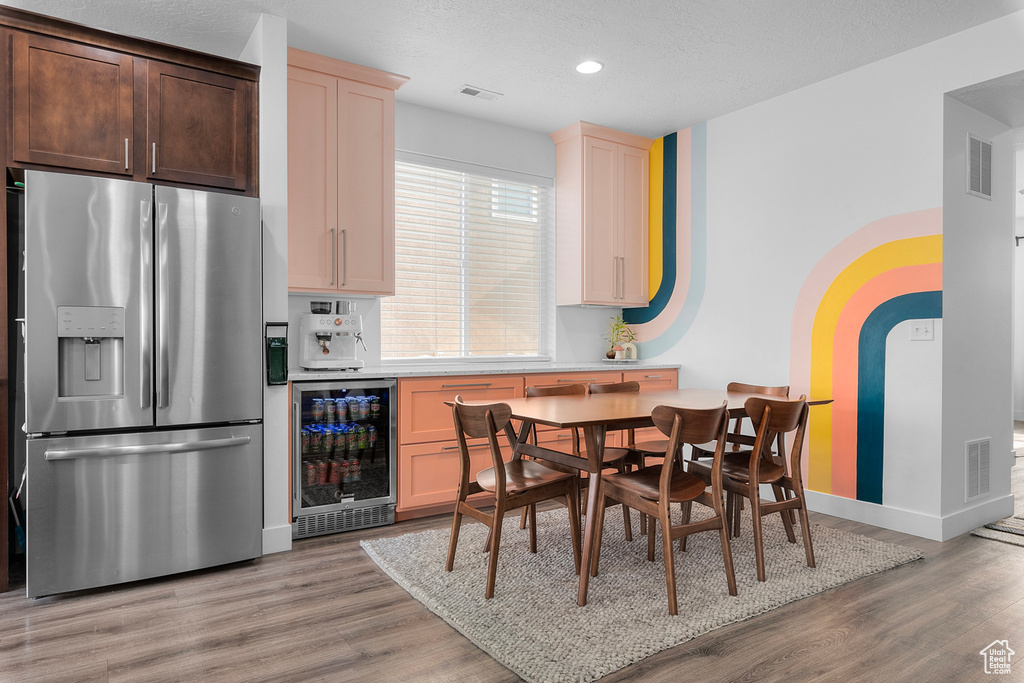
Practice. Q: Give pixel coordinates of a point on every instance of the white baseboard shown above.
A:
(933, 527)
(277, 539)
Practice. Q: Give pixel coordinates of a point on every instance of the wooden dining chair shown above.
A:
(640, 451)
(653, 489)
(514, 483)
(738, 442)
(612, 457)
(743, 473)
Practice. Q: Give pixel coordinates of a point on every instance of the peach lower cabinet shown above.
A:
(428, 457)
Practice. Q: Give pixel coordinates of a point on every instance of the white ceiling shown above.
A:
(668, 63)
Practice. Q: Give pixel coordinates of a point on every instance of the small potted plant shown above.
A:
(618, 333)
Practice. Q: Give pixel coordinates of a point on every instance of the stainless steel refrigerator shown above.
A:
(143, 384)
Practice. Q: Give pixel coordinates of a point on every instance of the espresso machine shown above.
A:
(329, 335)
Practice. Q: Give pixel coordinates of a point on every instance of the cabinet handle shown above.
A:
(154, 158)
(126, 154)
(652, 376)
(577, 380)
(456, 386)
(344, 258)
(622, 276)
(334, 256)
(472, 445)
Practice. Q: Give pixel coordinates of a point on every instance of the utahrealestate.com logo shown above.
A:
(997, 657)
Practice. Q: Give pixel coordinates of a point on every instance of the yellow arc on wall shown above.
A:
(905, 252)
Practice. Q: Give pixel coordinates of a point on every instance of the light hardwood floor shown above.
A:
(324, 612)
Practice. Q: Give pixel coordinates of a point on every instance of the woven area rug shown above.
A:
(533, 626)
(1009, 530)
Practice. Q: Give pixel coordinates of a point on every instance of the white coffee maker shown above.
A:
(327, 340)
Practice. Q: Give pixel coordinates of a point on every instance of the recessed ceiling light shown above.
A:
(589, 67)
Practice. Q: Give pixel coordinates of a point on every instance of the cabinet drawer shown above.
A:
(428, 474)
(561, 379)
(422, 414)
(653, 380)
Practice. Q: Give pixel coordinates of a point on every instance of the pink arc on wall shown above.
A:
(884, 273)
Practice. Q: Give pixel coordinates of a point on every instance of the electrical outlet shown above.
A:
(922, 330)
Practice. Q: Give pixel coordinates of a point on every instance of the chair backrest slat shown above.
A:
(615, 388)
(559, 390)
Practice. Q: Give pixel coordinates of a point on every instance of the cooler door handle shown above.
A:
(148, 449)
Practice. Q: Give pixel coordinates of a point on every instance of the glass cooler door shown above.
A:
(342, 445)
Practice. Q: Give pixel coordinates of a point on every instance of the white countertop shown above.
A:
(442, 369)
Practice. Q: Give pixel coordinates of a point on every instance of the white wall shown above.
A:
(978, 315)
(787, 181)
(268, 47)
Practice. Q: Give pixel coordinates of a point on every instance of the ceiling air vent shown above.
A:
(979, 167)
(479, 93)
(977, 468)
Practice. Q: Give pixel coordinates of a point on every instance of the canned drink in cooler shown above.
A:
(318, 410)
(305, 440)
(353, 437)
(363, 437)
(353, 469)
(340, 410)
(346, 477)
(316, 440)
(353, 407)
(334, 475)
(330, 408)
(328, 432)
(322, 471)
(375, 406)
(372, 435)
(309, 473)
(364, 407)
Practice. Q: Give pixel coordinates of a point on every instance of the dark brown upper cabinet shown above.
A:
(72, 105)
(86, 100)
(197, 126)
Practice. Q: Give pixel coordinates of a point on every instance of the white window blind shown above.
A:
(471, 277)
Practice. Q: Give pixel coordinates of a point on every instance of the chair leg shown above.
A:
(454, 538)
(787, 521)
(685, 507)
(492, 561)
(626, 523)
(598, 531)
(736, 509)
(755, 511)
(522, 517)
(572, 498)
(650, 538)
(723, 532)
(533, 528)
(805, 528)
(670, 565)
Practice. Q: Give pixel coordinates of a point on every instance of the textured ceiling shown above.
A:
(668, 63)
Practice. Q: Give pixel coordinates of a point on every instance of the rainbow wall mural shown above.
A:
(886, 272)
(678, 240)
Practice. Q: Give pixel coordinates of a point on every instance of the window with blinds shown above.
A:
(471, 273)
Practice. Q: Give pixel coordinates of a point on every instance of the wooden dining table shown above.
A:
(595, 414)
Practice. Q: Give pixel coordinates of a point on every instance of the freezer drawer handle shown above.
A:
(148, 449)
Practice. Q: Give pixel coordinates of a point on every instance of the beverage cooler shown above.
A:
(343, 452)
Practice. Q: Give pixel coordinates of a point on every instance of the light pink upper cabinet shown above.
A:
(341, 176)
(601, 216)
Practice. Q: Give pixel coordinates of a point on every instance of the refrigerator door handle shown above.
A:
(146, 351)
(147, 449)
(162, 304)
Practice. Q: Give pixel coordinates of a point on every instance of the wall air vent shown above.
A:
(977, 469)
(979, 167)
(479, 93)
